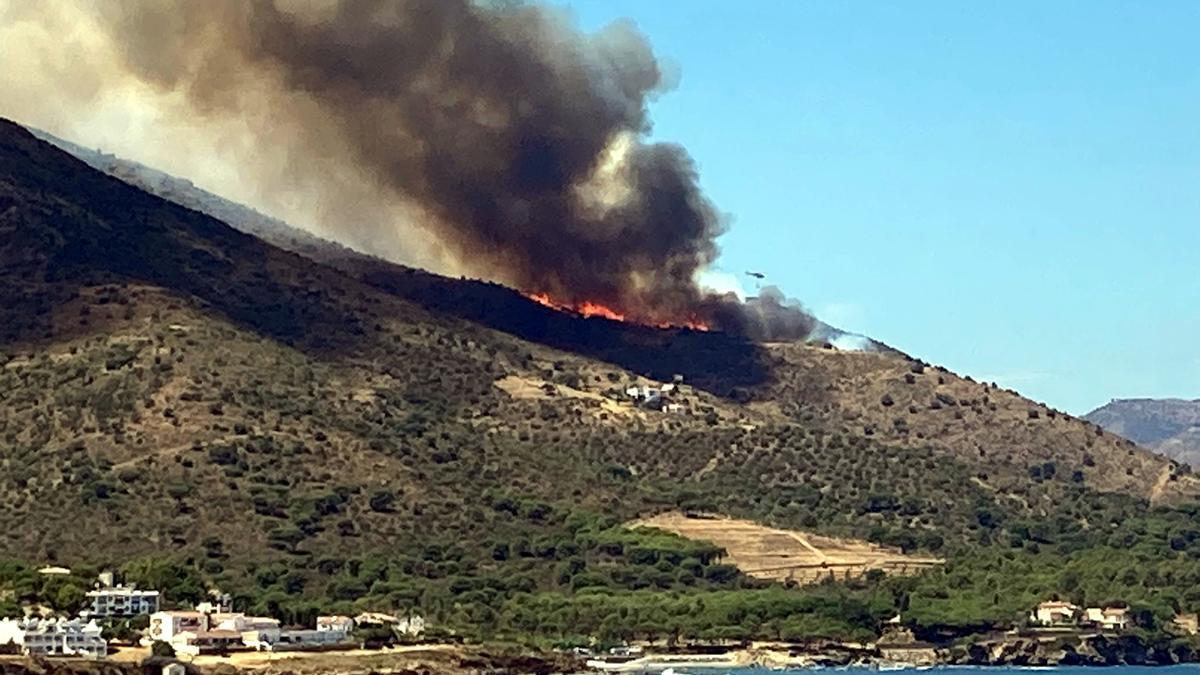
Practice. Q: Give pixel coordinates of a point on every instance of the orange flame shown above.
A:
(587, 308)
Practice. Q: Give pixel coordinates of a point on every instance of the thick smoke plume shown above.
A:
(517, 139)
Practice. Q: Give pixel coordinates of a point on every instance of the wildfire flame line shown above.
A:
(587, 308)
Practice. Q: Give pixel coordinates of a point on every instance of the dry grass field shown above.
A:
(768, 553)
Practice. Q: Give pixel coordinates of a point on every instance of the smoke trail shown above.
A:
(515, 138)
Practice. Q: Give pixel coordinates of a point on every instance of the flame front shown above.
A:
(587, 308)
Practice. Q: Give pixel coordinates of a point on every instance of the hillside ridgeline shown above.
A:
(198, 407)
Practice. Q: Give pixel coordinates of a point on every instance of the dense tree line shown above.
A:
(587, 577)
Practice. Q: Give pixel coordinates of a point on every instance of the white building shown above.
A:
(54, 637)
(654, 397)
(335, 624)
(207, 642)
(294, 639)
(1109, 618)
(411, 626)
(122, 601)
(165, 626)
(1055, 613)
(200, 632)
(264, 627)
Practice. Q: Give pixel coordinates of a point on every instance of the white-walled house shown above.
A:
(293, 639)
(207, 641)
(122, 601)
(165, 626)
(411, 626)
(242, 623)
(1109, 618)
(1055, 613)
(335, 624)
(199, 632)
(54, 637)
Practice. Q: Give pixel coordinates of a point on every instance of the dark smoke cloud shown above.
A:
(519, 138)
(771, 315)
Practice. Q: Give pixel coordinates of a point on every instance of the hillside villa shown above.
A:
(121, 601)
(194, 632)
(54, 637)
(409, 626)
(1055, 613)
(1060, 614)
(1108, 618)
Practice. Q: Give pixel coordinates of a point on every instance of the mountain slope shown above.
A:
(1170, 427)
(171, 388)
(496, 305)
(978, 422)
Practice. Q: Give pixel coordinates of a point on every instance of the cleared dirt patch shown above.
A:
(529, 388)
(769, 553)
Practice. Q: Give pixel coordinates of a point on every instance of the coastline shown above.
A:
(1009, 650)
(432, 659)
(1003, 651)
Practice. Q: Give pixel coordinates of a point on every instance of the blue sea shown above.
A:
(1186, 669)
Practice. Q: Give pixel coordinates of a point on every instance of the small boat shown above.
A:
(619, 665)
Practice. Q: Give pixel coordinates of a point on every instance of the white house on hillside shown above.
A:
(343, 625)
(164, 626)
(201, 632)
(1055, 613)
(122, 601)
(54, 637)
(1109, 618)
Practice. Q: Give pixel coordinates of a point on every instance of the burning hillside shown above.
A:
(518, 141)
(588, 309)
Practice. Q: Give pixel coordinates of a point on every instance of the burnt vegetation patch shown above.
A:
(716, 361)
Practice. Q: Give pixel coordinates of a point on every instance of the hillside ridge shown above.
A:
(195, 406)
(657, 353)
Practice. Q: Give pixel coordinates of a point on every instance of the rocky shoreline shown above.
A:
(1001, 650)
(1006, 650)
(460, 662)
(1091, 650)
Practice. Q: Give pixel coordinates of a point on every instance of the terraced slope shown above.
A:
(789, 555)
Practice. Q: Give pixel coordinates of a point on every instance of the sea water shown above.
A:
(1185, 669)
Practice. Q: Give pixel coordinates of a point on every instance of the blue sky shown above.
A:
(1008, 189)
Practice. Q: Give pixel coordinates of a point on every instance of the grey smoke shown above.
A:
(516, 138)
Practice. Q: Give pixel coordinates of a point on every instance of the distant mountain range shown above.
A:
(1168, 426)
